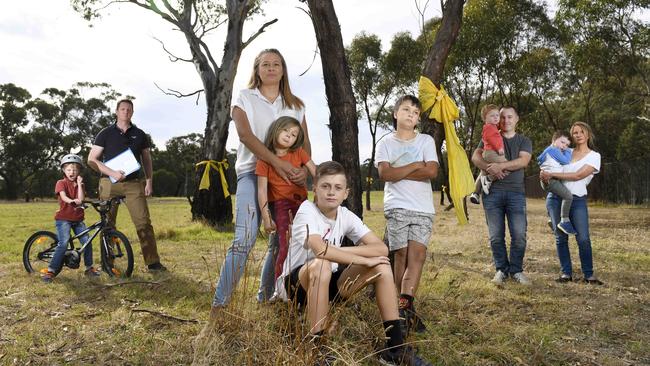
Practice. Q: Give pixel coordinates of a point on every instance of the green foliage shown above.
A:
(165, 183)
(589, 63)
(377, 79)
(36, 132)
(178, 159)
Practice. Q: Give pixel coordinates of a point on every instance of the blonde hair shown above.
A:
(288, 99)
(277, 126)
(591, 138)
(486, 108)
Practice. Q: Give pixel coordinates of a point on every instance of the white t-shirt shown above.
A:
(579, 187)
(407, 194)
(261, 113)
(310, 220)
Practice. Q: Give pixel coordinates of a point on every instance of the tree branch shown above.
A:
(259, 31)
(172, 57)
(163, 315)
(178, 94)
(155, 9)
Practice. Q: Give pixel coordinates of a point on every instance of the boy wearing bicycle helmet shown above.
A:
(70, 216)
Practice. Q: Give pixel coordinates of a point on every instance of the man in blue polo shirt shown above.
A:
(110, 142)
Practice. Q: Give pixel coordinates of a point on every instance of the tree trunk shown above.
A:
(211, 204)
(445, 37)
(11, 187)
(340, 96)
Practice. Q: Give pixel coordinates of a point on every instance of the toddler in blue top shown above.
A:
(552, 159)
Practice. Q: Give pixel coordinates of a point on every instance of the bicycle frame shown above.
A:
(99, 226)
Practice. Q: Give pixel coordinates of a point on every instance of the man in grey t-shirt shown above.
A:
(507, 199)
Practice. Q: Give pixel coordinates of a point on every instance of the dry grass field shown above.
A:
(154, 320)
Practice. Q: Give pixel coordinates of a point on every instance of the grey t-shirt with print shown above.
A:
(514, 182)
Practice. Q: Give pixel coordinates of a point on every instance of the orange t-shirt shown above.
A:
(278, 187)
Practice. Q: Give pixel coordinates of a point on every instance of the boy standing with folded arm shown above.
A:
(407, 161)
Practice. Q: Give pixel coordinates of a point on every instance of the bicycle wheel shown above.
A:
(39, 251)
(117, 255)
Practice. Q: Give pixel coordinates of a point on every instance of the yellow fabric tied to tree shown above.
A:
(221, 166)
(445, 111)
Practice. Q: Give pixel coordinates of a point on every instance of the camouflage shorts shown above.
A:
(404, 225)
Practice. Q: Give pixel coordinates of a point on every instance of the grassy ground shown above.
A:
(470, 322)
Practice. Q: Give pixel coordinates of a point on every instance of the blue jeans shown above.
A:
(498, 206)
(579, 216)
(63, 228)
(247, 223)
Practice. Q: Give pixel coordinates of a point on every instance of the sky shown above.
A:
(46, 44)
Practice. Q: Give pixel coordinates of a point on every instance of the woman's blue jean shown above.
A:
(63, 228)
(247, 223)
(579, 216)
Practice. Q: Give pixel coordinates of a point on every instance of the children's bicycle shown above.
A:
(116, 252)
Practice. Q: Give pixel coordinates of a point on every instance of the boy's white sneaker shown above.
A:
(521, 278)
(474, 198)
(485, 184)
(499, 277)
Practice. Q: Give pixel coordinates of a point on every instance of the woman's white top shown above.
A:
(260, 113)
(579, 187)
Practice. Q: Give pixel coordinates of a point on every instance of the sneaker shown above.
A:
(474, 198)
(593, 281)
(92, 272)
(549, 222)
(564, 278)
(521, 278)
(157, 267)
(485, 184)
(403, 355)
(498, 278)
(413, 320)
(567, 228)
(48, 277)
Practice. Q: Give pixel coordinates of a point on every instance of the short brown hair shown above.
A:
(510, 107)
(486, 108)
(559, 133)
(331, 168)
(282, 123)
(411, 98)
(127, 101)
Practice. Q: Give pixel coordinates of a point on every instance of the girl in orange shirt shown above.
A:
(285, 139)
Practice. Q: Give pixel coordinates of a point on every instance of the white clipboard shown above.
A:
(125, 162)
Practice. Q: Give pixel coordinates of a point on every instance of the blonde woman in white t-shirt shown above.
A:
(575, 176)
(267, 98)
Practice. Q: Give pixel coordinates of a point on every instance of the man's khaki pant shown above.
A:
(136, 203)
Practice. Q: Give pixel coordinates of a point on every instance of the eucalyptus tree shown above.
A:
(36, 131)
(343, 121)
(195, 19)
(377, 77)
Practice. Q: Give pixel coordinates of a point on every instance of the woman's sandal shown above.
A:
(564, 279)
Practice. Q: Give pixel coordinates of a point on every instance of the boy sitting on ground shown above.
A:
(314, 273)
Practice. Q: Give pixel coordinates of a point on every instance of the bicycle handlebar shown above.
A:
(104, 205)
